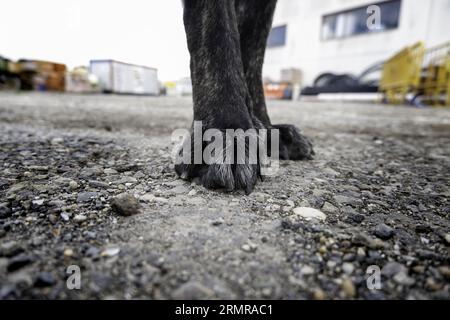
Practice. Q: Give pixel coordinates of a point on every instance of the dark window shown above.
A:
(277, 37)
(353, 22)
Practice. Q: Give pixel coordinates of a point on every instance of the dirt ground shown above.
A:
(381, 176)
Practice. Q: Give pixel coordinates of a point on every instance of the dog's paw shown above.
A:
(221, 168)
(293, 144)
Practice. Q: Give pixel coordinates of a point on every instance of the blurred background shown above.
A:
(396, 51)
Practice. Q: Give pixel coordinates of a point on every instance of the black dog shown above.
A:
(227, 41)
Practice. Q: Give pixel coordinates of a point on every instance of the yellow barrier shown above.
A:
(402, 73)
(436, 78)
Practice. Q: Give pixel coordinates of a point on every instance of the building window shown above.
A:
(277, 37)
(354, 22)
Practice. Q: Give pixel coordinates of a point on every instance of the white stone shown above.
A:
(310, 213)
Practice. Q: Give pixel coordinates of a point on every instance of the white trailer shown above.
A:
(125, 78)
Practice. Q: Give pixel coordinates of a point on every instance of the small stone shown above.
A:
(349, 288)
(125, 205)
(420, 228)
(192, 193)
(73, 185)
(259, 196)
(79, 218)
(318, 294)
(307, 271)
(38, 203)
(44, 279)
(86, 196)
(65, 216)
(5, 211)
(19, 262)
(179, 190)
(151, 198)
(392, 268)
(10, 249)
(329, 208)
(68, 252)
(383, 231)
(432, 285)
(193, 291)
(310, 213)
(344, 199)
(361, 252)
(402, 278)
(109, 171)
(348, 268)
(98, 184)
(57, 141)
(418, 269)
(110, 252)
(217, 222)
(447, 238)
(92, 252)
(249, 247)
(445, 272)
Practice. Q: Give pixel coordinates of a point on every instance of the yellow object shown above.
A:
(402, 73)
(436, 77)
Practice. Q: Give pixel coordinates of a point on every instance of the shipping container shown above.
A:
(125, 78)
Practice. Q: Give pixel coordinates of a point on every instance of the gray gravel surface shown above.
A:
(87, 180)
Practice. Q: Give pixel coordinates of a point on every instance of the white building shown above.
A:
(318, 36)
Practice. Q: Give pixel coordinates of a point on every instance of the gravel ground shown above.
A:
(88, 181)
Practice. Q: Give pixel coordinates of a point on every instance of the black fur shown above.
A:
(227, 42)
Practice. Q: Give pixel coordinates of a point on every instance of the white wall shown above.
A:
(426, 20)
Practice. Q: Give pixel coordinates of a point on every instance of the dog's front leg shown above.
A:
(219, 91)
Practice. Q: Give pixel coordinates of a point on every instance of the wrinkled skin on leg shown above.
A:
(227, 41)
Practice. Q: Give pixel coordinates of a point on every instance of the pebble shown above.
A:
(192, 291)
(68, 252)
(249, 247)
(73, 185)
(98, 184)
(361, 252)
(392, 268)
(44, 279)
(402, 278)
(192, 193)
(310, 213)
(383, 231)
(318, 294)
(79, 218)
(218, 222)
(10, 249)
(57, 141)
(445, 272)
(447, 238)
(348, 268)
(307, 271)
(179, 190)
(125, 205)
(349, 288)
(86, 196)
(110, 252)
(19, 262)
(151, 198)
(329, 208)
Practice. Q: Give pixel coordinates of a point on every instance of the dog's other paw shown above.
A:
(293, 144)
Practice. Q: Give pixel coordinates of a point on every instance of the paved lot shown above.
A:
(381, 176)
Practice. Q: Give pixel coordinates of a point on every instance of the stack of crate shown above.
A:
(418, 76)
(42, 75)
(435, 84)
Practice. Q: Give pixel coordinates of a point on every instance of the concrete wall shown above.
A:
(426, 20)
